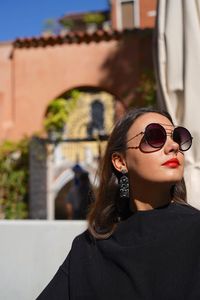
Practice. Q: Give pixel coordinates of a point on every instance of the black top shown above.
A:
(154, 254)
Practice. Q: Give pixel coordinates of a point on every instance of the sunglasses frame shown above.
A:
(166, 133)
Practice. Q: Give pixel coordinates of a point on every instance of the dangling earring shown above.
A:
(124, 184)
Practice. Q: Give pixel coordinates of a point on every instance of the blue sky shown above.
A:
(25, 18)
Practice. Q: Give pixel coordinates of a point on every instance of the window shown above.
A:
(127, 14)
(97, 118)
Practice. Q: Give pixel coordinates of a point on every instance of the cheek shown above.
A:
(149, 167)
(142, 166)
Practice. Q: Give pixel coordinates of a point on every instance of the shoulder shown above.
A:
(81, 245)
(186, 209)
(83, 241)
(188, 216)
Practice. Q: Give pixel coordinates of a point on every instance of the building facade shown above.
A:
(106, 65)
(33, 71)
(129, 14)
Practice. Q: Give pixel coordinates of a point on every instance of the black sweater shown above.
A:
(152, 255)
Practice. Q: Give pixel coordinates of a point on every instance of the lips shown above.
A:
(172, 163)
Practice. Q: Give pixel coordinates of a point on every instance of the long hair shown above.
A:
(108, 209)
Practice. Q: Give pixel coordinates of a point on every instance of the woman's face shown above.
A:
(153, 166)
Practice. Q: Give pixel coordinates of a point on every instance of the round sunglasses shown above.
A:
(155, 136)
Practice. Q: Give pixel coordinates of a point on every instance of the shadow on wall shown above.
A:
(124, 68)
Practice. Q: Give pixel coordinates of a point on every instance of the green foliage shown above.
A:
(58, 112)
(67, 23)
(146, 89)
(50, 26)
(14, 179)
(96, 18)
(56, 115)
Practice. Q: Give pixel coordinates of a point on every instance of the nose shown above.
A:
(171, 145)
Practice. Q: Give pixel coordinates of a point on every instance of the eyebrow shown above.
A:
(165, 124)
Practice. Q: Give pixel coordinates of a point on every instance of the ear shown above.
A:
(118, 161)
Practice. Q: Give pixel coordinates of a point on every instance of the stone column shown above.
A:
(38, 179)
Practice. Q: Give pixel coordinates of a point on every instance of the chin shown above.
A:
(172, 180)
(173, 176)
(168, 179)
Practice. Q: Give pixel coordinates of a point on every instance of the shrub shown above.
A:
(14, 179)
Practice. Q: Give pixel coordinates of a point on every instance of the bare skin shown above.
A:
(150, 179)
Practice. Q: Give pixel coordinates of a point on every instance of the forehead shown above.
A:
(144, 120)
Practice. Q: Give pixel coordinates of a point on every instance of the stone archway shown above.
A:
(79, 145)
(81, 125)
(47, 67)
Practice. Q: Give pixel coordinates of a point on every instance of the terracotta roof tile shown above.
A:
(73, 37)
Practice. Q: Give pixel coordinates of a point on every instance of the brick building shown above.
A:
(133, 14)
(33, 71)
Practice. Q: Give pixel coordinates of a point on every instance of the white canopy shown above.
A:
(178, 73)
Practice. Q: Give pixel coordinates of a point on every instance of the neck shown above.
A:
(151, 197)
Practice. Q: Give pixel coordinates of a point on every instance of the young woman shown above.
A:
(143, 240)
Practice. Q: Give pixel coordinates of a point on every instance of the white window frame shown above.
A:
(136, 13)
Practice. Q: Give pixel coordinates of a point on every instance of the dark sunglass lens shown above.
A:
(155, 135)
(182, 137)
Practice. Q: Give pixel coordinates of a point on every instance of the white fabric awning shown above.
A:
(178, 73)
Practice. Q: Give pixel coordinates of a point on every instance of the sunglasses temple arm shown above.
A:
(133, 147)
(135, 136)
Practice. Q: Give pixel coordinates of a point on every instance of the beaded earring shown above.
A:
(124, 184)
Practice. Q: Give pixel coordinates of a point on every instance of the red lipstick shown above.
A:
(172, 163)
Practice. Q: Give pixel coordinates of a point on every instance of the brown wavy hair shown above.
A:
(108, 209)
